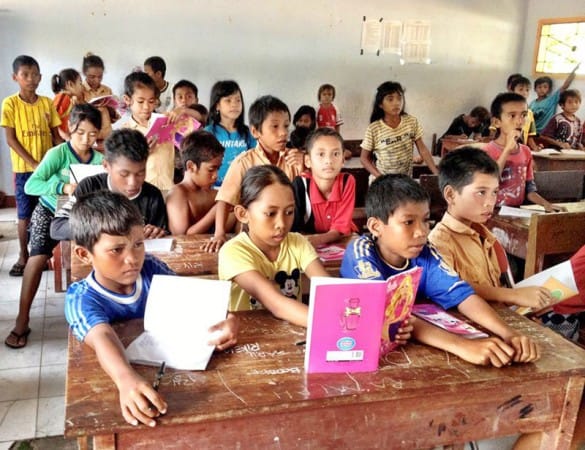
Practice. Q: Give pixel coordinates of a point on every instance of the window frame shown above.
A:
(555, 21)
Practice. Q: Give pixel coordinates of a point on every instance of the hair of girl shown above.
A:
(59, 81)
(257, 179)
(224, 89)
(84, 111)
(386, 88)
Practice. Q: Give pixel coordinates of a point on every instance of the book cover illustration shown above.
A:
(439, 317)
(108, 101)
(352, 321)
(166, 131)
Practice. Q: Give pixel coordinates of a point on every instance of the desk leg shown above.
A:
(560, 439)
(82, 443)
(104, 442)
(58, 268)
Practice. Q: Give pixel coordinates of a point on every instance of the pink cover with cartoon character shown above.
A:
(353, 322)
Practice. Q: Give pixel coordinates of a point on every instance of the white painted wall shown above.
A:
(279, 47)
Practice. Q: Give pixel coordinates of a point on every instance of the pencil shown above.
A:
(158, 376)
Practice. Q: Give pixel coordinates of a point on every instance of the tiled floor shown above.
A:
(32, 379)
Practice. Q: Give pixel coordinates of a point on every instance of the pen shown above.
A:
(301, 343)
(158, 376)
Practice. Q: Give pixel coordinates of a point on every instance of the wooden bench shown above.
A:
(560, 185)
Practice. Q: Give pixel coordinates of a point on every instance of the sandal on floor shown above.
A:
(17, 270)
(15, 340)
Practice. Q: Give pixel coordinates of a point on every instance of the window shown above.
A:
(560, 45)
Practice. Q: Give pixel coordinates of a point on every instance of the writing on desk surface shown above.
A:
(254, 350)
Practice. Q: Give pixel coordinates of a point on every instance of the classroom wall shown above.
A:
(280, 47)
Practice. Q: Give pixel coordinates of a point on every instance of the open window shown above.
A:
(560, 45)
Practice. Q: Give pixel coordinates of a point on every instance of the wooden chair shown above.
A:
(560, 185)
(430, 183)
(559, 234)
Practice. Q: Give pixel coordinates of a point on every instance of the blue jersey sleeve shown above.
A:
(83, 309)
(361, 261)
(439, 282)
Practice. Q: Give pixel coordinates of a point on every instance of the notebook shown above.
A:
(354, 322)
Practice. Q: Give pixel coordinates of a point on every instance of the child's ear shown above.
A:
(83, 254)
(307, 160)
(190, 166)
(241, 213)
(255, 132)
(496, 122)
(127, 100)
(375, 226)
(449, 194)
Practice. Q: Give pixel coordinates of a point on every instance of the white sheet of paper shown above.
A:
(563, 272)
(158, 245)
(81, 171)
(517, 212)
(179, 313)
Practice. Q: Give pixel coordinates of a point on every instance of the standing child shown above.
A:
(327, 114)
(564, 129)
(140, 94)
(51, 178)
(509, 112)
(108, 233)
(226, 123)
(156, 68)
(269, 119)
(31, 124)
(265, 262)
(521, 85)
(324, 197)
(191, 203)
(397, 208)
(93, 70)
(392, 135)
(69, 92)
(545, 105)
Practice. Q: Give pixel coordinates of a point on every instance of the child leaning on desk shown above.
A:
(468, 179)
(514, 160)
(324, 197)
(265, 261)
(397, 208)
(108, 232)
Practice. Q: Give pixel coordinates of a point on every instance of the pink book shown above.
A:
(330, 252)
(166, 131)
(439, 317)
(354, 322)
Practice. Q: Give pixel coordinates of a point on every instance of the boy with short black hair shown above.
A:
(468, 179)
(545, 105)
(191, 203)
(31, 123)
(156, 68)
(514, 160)
(117, 289)
(126, 152)
(324, 197)
(564, 130)
(397, 208)
(269, 122)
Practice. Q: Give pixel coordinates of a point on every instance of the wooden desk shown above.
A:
(188, 259)
(558, 162)
(258, 396)
(449, 143)
(512, 232)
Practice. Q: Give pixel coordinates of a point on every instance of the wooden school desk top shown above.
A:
(257, 395)
(187, 258)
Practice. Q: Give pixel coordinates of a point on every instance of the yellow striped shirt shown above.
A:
(393, 146)
(32, 123)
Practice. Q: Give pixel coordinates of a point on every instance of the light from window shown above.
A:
(560, 45)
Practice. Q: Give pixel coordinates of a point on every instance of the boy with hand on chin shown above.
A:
(126, 152)
(269, 122)
(397, 208)
(514, 160)
(108, 232)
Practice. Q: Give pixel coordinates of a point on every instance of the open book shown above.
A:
(563, 151)
(166, 131)
(78, 172)
(354, 322)
(330, 252)
(558, 279)
(179, 313)
(109, 101)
